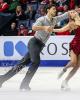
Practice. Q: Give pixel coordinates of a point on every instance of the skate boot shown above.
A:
(25, 88)
(65, 86)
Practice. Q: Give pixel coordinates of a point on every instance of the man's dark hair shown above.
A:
(50, 6)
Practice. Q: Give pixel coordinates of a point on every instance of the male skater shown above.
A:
(43, 27)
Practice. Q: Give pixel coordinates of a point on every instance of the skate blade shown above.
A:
(65, 89)
(24, 90)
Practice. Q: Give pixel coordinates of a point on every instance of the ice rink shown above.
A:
(44, 86)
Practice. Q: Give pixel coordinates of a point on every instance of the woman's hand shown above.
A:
(48, 29)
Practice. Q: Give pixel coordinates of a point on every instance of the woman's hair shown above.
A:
(72, 24)
(50, 6)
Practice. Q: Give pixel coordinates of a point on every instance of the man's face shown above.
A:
(52, 11)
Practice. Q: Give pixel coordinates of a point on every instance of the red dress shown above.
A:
(75, 43)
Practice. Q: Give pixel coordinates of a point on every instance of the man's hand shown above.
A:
(78, 10)
(48, 29)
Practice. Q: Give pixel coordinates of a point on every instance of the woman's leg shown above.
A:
(65, 69)
(69, 64)
(74, 63)
(73, 71)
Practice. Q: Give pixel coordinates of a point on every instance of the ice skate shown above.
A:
(65, 86)
(25, 88)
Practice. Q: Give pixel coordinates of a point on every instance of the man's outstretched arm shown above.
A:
(62, 17)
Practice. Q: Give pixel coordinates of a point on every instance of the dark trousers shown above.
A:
(33, 56)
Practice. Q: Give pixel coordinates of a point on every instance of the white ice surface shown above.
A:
(44, 86)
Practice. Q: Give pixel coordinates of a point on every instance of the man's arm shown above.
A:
(48, 29)
(38, 26)
(62, 17)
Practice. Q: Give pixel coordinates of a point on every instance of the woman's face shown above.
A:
(73, 14)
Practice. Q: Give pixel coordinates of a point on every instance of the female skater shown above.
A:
(74, 24)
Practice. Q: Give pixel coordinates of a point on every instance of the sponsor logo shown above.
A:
(9, 48)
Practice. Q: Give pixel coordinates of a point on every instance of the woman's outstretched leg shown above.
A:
(75, 64)
(65, 69)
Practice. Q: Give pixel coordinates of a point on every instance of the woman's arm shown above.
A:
(65, 28)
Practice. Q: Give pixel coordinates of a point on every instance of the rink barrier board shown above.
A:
(55, 53)
(45, 63)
